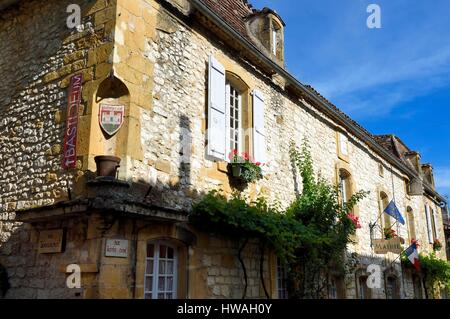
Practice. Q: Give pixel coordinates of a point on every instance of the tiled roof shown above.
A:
(313, 90)
(233, 12)
(387, 142)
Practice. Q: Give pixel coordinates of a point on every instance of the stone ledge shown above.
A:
(80, 207)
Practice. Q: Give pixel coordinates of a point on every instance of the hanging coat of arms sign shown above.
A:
(111, 118)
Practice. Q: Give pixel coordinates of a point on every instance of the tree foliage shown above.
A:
(319, 209)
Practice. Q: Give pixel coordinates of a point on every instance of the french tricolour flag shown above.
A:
(413, 255)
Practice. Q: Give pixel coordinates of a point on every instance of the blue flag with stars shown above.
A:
(393, 211)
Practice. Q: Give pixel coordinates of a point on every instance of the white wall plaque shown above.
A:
(116, 248)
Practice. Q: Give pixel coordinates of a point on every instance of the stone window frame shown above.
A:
(246, 112)
(276, 28)
(156, 265)
(362, 275)
(381, 169)
(411, 223)
(262, 36)
(341, 155)
(234, 121)
(339, 284)
(162, 233)
(281, 271)
(384, 218)
(391, 273)
(433, 223)
(341, 166)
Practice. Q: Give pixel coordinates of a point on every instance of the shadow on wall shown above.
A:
(4, 281)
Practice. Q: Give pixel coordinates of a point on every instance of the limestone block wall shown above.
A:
(33, 275)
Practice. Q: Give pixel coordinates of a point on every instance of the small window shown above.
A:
(276, 41)
(381, 170)
(160, 272)
(433, 224)
(417, 285)
(336, 288)
(281, 280)
(392, 288)
(407, 187)
(344, 186)
(411, 224)
(363, 290)
(343, 141)
(429, 227)
(234, 106)
(384, 202)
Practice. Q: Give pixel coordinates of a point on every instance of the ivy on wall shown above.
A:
(435, 273)
(309, 237)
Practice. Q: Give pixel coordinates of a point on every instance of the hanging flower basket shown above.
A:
(437, 246)
(243, 168)
(236, 170)
(389, 233)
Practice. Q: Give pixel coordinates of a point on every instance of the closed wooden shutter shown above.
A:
(259, 135)
(216, 147)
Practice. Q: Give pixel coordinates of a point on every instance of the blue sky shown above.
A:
(393, 80)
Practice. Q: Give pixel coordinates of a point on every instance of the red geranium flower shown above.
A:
(355, 220)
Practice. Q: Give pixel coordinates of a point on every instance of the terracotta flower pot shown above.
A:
(107, 165)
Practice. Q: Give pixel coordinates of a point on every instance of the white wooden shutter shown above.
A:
(259, 135)
(429, 228)
(216, 110)
(434, 225)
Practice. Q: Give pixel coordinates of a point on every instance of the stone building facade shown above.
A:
(167, 63)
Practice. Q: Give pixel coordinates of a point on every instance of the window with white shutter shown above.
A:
(234, 121)
(433, 223)
(217, 112)
(429, 229)
(259, 137)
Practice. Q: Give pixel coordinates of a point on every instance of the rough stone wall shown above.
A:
(33, 275)
(39, 54)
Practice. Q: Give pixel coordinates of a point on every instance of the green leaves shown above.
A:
(318, 208)
(237, 218)
(437, 271)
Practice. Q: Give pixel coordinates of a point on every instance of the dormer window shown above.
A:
(274, 42)
(266, 30)
(276, 39)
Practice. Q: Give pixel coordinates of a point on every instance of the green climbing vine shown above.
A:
(309, 237)
(320, 210)
(435, 272)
